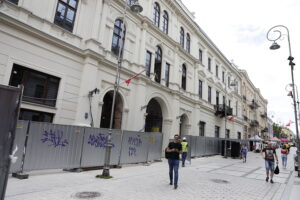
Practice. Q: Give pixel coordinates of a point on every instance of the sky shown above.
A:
(239, 28)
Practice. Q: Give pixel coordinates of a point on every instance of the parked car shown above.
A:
(296, 162)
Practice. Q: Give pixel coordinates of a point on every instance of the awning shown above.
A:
(256, 138)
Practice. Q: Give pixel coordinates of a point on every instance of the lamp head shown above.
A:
(136, 7)
(274, 46)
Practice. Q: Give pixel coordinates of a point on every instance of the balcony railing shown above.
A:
(264, 115)
(266, 129)
(245, 118)
(254, 105)
(220, 110)
(254, 123)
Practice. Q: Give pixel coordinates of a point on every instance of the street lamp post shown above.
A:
(136, 8)
(275, 46)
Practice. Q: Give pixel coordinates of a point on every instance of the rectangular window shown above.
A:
(200, 89)
(148, 62)
(202, 128)
(14, 1)
(65, 14)
(217, 71)
(200, 55)
(217, 131)
(224, 100)
(36, 116)
(223, 77)
(209, 94)
(209, 64)
(217, 97)
(239, 135)
(228, 81)
(167, 74)
(236, 108)
(229, 103)
(39, 87)
(227, 133)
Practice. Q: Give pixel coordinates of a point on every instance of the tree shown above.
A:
(277, 130)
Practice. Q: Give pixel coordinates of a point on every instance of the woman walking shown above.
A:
(284, 153)
(244, 151)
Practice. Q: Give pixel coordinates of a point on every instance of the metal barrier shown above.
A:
(155, 146)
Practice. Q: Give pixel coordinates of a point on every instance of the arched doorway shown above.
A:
(154, 117)
(106, 110)
(183, 129)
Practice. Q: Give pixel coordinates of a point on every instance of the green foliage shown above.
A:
(277, 130)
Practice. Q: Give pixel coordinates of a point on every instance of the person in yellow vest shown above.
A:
(184, 145)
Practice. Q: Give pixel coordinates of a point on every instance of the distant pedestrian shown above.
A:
(184, 145)
(174, 149)
(244, 151)
(269, 154)
(284, 153)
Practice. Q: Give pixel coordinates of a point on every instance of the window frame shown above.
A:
(217, 131)
(202, 128)
(209, 90)
(200, 55)
(167, 74)
(148, 64)
(217, 71)
(188, 43)
(62, 22)
(200, 88)
(119, 32)
(166, 22)
(41, 117)
(156, 14)
(209, 64)
(183, 77)
(181, 37)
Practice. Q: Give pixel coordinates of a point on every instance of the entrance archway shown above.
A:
(154, 117)
(106, 110)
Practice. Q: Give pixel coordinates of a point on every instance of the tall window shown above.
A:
(183, 77)
(148, 62)
(217, 131)
(200, 55)
(224, 100)
(209, 94)
(239, 135)
(39, 87)
(14, 1)
(217, 71)
(223, 76)
(217, 97)
(118, 37)
(65, 14)
(209, 64)
(188, 43)
(227, 133)
(200, 89)
(165, 22)
(182, 37)
(156, 14)
(228, 81)
(130, 2)
(229, 103)
(167, 74)
(37, 116)
(236, 108)
(202, 128)
(158, 62)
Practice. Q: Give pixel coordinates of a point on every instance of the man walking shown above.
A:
(184, 145)
(174, 149)
(269, 154)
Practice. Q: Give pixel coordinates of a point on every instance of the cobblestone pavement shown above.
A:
(205, 178)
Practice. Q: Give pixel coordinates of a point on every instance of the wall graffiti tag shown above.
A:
(134, 143)
(54, 138)
(99, 140)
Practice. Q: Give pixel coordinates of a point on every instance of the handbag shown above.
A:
(276, 171)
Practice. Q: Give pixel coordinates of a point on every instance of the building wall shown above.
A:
(83, 60)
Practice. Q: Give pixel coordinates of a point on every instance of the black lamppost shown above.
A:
(136, 8)
(274, 46)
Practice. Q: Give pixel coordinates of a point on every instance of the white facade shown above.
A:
(82, 60)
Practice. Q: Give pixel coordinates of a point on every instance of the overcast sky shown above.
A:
(239, 28)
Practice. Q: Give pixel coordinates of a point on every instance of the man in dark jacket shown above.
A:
(173, 150)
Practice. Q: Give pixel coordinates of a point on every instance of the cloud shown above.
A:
(250, 34)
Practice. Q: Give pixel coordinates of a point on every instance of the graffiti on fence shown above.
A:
(99, 140)
(54, 138)
(134, 142)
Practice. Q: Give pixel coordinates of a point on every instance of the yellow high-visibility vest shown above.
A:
(184, 146)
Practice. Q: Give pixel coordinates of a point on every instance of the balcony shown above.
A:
(220, 110)
(253, 104)
(254, 123)
(265, 130)
(264, 115)
(245, 118)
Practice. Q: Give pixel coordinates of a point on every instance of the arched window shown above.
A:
(183, 77)
(156, 14)
(188, 42)
(165, 22)
(118, 37)
(157, 65)
(182, 37)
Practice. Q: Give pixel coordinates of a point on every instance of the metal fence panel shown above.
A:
(134, 147)
(155, 146)
(200, 149)
(94, 147)
(52, 146)
(193, 145)
(21, 131)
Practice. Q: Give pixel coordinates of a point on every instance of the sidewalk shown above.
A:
(206, 178)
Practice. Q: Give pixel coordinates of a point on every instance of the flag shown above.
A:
(290, 94)
(231, 117)
(289, 123)
(133, 77)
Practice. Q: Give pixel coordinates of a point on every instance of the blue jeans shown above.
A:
(173, 166)
(183, 157)
(269, 165)
(284, 160)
